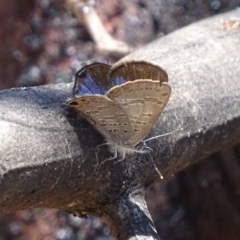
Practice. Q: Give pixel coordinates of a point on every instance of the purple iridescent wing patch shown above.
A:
(91, 79)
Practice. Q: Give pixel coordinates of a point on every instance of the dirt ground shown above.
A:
(41, 42)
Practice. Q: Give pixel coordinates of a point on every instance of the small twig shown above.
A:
(106, 44)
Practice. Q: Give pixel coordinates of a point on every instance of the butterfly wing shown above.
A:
(143, 101)
(105, 115)
(91, 79)
(133, 70)
(98, 77)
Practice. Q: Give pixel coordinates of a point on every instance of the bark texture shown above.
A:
(48, 156)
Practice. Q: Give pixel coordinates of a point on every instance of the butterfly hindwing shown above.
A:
(105, 115)
(143, 101)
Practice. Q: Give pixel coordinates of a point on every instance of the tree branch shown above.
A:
(48, 157)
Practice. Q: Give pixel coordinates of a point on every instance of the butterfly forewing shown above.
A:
(107, 117)
(130, 71)
(143, 101)
(92, 79)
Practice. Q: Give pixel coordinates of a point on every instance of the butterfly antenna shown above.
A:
(144, 142)
(163, 135)
(155, 166)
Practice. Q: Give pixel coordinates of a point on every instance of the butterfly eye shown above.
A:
(73, 103)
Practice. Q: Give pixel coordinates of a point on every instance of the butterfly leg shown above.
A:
(115, 154)
(97, 152)
(103, 144)
(122, 158)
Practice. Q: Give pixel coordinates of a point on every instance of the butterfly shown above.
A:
(122, 101)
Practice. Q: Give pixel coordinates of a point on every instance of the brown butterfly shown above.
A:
(126, 113)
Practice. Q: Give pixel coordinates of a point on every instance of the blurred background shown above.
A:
(42, 41)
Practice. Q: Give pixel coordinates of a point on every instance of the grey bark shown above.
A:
(49, 156)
